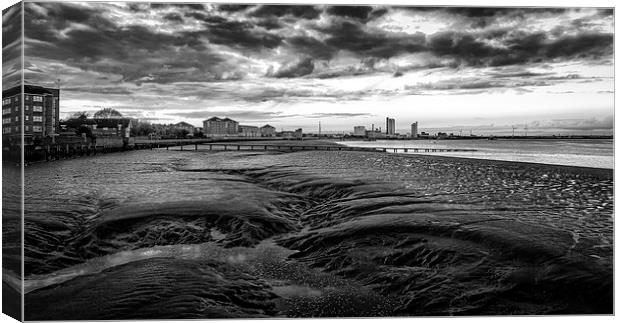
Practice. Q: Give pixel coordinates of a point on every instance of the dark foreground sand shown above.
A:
(318, 233)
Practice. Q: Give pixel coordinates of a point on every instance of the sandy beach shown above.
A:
(315, 234)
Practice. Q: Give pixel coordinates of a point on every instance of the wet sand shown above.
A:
(199, 234)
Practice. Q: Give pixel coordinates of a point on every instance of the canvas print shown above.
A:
(226, 160)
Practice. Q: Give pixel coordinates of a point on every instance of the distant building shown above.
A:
(249, 131)
(41, 113)
(297, 134)
(414, 130)
(267, 131)
(390, 125)
(359, 131)
(185, 126)
(220, 127)
(376, 134)
(109, 127)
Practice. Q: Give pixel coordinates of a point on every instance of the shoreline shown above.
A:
(483, 160)
(602, 171)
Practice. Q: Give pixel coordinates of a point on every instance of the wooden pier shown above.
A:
(52, 152)
(292, 147)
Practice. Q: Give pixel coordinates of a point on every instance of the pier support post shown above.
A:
(195, 146)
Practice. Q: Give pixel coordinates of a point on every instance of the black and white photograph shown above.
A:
(199, 160)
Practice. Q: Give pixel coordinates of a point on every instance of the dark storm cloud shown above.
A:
(584, 45)
(233, 7)
(142, 53)
(239, 34)
(605, 12)
(519, 47)
(478, 11)
(461, 46)
(191, 6)
(303, 67)
(270, 23)
(11, 26)
(357, 12)
(147, 55)
(312, 47)
(361, 13)
(11, 46)
(299, 11)
(352, 36)
(174, 17)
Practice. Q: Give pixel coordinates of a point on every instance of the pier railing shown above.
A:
(64, 151)
(289, 147)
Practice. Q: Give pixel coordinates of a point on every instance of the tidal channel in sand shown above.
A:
(198, 234)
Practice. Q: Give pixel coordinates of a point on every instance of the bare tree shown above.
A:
(107, 113)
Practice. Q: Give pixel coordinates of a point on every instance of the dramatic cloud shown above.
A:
(299, 62)
(11, 46)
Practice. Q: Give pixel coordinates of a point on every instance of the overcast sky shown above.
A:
(293, 66)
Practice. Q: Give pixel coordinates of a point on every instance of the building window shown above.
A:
(37, 98)
(16, 109)
(28, 128)
(36, 128)
(6, 101)
(17, 119)
(27, 97)
(27, 118)
(37, 118)
(6, 120)
(37, 108)
(6, 111)
(6, 130)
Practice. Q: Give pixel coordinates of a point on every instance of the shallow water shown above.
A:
(576, 152)
(312, 234)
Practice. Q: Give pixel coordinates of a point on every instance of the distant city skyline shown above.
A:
(292, 66)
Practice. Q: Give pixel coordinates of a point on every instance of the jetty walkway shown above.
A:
(287, 147)
(64, 151)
